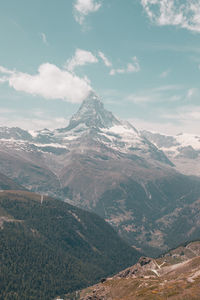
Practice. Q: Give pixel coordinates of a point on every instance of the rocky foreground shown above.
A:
(175, 275)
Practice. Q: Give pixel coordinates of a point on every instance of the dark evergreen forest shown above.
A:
(52, 248)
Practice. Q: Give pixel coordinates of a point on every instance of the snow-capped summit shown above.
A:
(92, 114)
(93, 125)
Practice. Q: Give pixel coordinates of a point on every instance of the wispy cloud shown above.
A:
(184, 119)
(184, 14)
(84, 57)
(192, 92)
(82, 8)
(163, 93)
(3, 79)
(105, 59)
(44, 38)
(165, 73)
(32, 123)
(132, 67)
(33, 119)
(80, 58)
(185, 114)
(164, 126)
(6, 71)
(50, 82)
(169, 87)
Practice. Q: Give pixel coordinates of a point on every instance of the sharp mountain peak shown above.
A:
(92, 114)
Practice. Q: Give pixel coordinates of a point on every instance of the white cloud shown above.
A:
(83, 57)
(80, 58)
(6, 71)
(3, 79)
(164, 74)
(115, 71)
(84, 7)
(105, 59)
(185, 14)
(51, 83)
(44, 38)
(191, 92)
(132, 67)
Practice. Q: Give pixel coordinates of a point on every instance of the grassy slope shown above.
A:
(52, 248)
(177, 279)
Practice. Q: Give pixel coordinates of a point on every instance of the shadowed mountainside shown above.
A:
(49, 247)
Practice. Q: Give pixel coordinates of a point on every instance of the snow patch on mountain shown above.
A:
(173, 144)
(186, 140)
(182, 149)
(50, 145)
(123, 137)
(92, 124)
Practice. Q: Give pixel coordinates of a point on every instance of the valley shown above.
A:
(105, 165)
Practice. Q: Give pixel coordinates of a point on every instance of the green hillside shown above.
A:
(49, 247)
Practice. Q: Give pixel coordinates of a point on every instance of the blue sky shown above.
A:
(141, 56)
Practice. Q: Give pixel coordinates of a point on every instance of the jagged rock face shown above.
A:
(93, 115)
(105, 165)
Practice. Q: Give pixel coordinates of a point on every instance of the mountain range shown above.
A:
(105, 165)
(182, 149)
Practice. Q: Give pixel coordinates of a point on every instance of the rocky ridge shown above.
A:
(176, 275)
